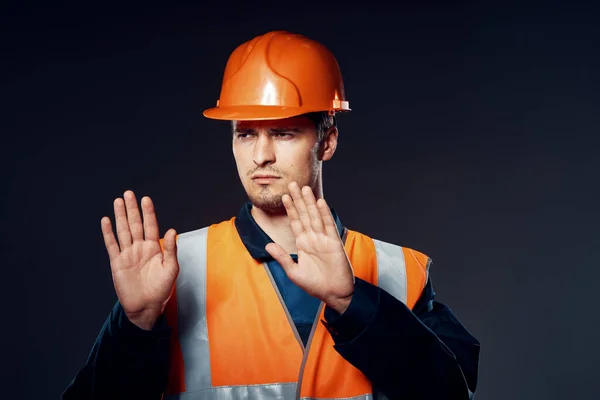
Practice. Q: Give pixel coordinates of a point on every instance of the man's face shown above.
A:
(271, 154)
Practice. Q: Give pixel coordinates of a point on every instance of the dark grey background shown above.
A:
(473, 138)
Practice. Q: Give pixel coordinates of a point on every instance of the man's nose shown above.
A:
(263, 151)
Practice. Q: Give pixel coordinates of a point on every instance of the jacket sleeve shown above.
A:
(126, 362)
(421, 354)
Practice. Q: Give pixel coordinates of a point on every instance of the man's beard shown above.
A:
(267, 201)
(270, 202)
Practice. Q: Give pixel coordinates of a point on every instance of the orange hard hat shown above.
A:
(279, 75)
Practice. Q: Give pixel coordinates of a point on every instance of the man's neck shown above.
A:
(277, 226)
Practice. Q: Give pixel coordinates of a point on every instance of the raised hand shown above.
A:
(143, 275)
(323, 269)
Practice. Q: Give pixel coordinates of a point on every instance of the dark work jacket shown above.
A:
(421, 354)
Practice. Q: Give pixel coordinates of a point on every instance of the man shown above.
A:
(281, 301)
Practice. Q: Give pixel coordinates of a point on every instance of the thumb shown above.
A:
(282, 257)
(170, 247)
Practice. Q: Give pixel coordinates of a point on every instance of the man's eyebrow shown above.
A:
(271, 130)
(244, 130)
(284, 130)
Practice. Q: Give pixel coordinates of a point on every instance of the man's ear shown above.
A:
(329, 144)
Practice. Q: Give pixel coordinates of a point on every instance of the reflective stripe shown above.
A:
(282, 391)
(361, 397)
(191, 310)
(391, 269)
(284, 306)
(308, 345)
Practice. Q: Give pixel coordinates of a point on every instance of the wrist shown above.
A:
(144, 320)
(339, 305)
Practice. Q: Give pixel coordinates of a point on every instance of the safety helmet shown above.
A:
(279, 75)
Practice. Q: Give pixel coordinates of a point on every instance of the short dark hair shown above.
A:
(323, 122)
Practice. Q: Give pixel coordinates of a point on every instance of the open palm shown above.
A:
(323, 269)
(143, 275)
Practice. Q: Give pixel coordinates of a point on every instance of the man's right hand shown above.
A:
(143, 275)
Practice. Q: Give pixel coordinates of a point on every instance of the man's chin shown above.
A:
(271, 206)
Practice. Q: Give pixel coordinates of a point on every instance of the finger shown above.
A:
(328, 221)
(122, 226)
(150, 223)
(170, 247)
(316, 219)
(112, 247)
(292, 213)
(133, 216)
(300, 206)
(283, 258)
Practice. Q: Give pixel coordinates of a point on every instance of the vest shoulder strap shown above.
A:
(401, 271)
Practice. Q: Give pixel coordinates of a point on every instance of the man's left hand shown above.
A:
(323, 269)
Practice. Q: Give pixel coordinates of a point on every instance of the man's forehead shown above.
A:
(299, 122)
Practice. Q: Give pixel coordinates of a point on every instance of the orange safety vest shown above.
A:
(232, 336)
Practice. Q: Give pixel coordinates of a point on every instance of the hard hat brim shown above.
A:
(254, 113)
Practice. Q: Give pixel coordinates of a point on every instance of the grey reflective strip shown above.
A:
(191, 309)
(282, 391)
(287, 312)
(307, 350)
(361, 397)
(391, 269)
(429, 261)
